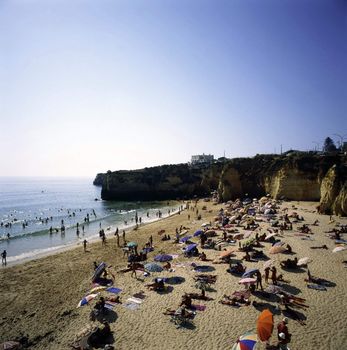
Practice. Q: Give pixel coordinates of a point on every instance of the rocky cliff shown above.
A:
(157, 183)
(296, 176)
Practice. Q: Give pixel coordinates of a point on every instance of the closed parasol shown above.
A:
(246, 341)
(265, 325)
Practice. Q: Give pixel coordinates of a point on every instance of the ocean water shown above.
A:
(29, 207)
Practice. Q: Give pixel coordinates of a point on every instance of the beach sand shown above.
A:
(39, 298)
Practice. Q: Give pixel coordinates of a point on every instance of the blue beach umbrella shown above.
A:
(190, 247)
(185, 239)
(163, 257)
(98, 271)
(198, 233)
(153, 267)
(132, 244)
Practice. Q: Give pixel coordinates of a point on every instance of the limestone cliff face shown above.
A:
(333, 189)
(293, 176)
(293, 184)
(157, 183)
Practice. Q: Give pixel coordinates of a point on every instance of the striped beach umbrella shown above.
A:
(247, 341)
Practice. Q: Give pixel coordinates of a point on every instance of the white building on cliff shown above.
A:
(202, 159)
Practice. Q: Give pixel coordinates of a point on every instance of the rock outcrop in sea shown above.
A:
(293, 176)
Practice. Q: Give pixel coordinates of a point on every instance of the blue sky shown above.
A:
(87, 86)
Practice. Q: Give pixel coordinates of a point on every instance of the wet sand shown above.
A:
(39, 298)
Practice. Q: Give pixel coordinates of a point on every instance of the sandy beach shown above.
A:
(39, 298)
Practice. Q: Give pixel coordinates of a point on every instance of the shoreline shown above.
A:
(109, 231)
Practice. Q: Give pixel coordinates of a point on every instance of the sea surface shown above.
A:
(29, 207)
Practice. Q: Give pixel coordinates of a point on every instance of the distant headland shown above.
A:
(294, 175)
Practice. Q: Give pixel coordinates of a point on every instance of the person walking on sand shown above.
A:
(3, 257)
(258, 275)
(124, 240)
(274, 275)
(85, 245)
(267, 272)
(133, 269)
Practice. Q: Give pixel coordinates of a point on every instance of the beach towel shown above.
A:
(316, 286)
(109, 305)
(197, 307)
(134, 300)
(131, 306)
(113, 290)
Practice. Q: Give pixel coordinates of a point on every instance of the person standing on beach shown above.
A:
(3, 257)
(274, 275)
(124, 240)
(267, 272)
(259, 279)
(85, 245)
(151, 240)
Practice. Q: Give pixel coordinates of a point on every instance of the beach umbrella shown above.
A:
(10, 345)
(198, 233)
(247, 280)
(246, 341)
(87, 299)
(277, 249)
(131, 244)
(226, 253)
(153, 267)
(271, 235)
(205, 224)
(268, 263)
(163, 257)
(98, 271)
(190, 247)
(265, 325)
(278, 244)
(185, 239)
(303, 261)
(249, 272)
(339, 249)
(273, 289)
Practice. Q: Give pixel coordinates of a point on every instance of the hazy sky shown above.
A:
(87, 86)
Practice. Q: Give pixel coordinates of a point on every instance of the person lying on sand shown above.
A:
(291, 301)
(290, 264)
(235, 301)
(181, 311)
(198, 296)
(320, 247)
(157, 285)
